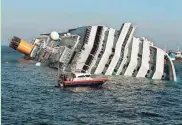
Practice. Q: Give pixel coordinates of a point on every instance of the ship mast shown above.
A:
(165, 48)
(178, 48)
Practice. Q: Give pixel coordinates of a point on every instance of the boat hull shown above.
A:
(85, 83)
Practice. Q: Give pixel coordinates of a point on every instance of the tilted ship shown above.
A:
(99, 50)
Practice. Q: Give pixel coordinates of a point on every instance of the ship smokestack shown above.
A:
(21, 45)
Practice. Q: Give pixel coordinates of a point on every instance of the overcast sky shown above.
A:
(157, 20)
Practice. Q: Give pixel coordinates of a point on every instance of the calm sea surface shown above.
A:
(30, 98)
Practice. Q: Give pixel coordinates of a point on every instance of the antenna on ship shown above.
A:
(178, 48)
(165, 48)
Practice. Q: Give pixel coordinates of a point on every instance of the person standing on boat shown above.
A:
(60, 80)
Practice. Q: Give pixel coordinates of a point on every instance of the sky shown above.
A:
(158, 20)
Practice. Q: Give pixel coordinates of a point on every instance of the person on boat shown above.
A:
(73, 76)
(61, 80)
(65, 78)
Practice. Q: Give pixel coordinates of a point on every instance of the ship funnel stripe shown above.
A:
(14, 43)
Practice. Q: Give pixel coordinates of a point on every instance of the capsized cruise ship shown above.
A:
(99, 50)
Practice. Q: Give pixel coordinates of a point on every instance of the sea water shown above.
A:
(30, 98)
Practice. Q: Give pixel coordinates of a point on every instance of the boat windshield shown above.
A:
(81, 76)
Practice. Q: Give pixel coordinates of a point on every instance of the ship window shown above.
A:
(113, 50)
(106, 65)
(110, 56)
(82, 71)
(148, 71)
(87, 75)
(138, 68)
(152, 67)
(139, 55)
(81, 76)
(115, 70)
(163, 76)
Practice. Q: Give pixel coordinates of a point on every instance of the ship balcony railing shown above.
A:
(102, 51)
(92, 55)
(94, 51)
(94, 68)
(96, 64)
(95, 47)
(104, 41)
(124, 44)
(122, 49)
(99, 34)
(107, 63)
(103, 46)
(87, 36)
(86, 40)
(89, 29)
(82, 71)
(87, 33)
(151, 62)
(99, 55)
(96, 42)
(92, 58)
(87, 65)
(139, 55)
(98, 39)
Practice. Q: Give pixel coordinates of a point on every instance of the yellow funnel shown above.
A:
(21, 46)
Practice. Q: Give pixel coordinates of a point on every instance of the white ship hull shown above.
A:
(103, 50)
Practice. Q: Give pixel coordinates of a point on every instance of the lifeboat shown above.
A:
(81, 80)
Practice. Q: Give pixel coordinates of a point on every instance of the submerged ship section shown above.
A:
(99, 50)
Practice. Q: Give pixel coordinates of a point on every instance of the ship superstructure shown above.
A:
(100, 50)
